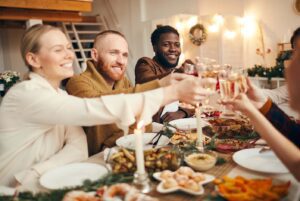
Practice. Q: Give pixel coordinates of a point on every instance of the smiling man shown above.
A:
(105, 75)
(166, 45)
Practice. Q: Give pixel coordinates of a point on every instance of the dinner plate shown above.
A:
(156, 127)
(72, 175)
(266, 162)
(161, 189)
(128, 141)
(7, 191)
(187, 123)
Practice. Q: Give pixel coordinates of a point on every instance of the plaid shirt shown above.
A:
(287, 126)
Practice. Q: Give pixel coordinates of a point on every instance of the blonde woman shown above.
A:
(40, 123)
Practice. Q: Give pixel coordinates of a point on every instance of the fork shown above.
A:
(152, 141)
(264, 149)
(156, 142)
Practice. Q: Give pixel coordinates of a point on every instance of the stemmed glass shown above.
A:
(204, 71)
(190, 69)
(232, 82)
(209, 76)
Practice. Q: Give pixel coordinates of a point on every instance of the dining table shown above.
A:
(229, 168)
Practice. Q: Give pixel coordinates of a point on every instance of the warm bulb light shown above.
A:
(179, 26)
(230, 34)
(218, 19)
(213, 28)
(248, 26)
(192, 21)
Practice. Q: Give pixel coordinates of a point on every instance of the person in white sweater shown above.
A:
(40, 123)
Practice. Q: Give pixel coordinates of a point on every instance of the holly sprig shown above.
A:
(57, 195)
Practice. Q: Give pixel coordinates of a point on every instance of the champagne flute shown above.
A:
(227, 88)
(190, 69)
(209, 82)
(232, 83)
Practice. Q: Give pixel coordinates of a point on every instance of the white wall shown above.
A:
(10, 55)
(137, 17)
(1, 52)
(278, 19)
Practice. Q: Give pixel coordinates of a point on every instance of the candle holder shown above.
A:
(200, 147)
(142, 182)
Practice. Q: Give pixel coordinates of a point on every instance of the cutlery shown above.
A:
(265, 149)
(156, 142)
(152, 141)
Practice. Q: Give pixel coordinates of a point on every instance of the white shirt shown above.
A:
(39, 126)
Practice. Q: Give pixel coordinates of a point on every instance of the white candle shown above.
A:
(1, 87)
(139, 151)
(199, 127)
(125, 130)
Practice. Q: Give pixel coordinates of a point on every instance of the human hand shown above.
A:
(169, 116)
(27, 180)
(256, 96)
(240, 103)
(172, 78)
(191, 90)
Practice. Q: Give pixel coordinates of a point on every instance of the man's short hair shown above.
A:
(295, 36)
(161, 30)
(105, 33)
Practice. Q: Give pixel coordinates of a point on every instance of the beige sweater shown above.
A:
(91, 84)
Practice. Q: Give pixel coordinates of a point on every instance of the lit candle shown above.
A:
(139, 151)
(199, 127)
(1, 87)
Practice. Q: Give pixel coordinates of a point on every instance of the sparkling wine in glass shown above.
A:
(190, 69)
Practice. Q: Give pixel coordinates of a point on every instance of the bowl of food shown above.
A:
(201, 161)
(121, 160)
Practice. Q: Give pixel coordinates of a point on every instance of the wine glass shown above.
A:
(232, 83)
(190, 69)
(209, 78)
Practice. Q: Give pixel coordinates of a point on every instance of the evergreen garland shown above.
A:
(276, 71)
(57, 195)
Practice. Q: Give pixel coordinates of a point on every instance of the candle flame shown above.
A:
(140, 124)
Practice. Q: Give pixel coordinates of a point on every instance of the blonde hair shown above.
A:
(30, 41)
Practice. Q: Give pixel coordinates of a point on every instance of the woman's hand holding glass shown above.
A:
(232, 83)
(189, 90)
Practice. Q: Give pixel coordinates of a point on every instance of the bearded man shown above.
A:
(105, 74)
(166, 46)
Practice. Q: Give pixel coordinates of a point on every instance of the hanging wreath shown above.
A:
(198, 34)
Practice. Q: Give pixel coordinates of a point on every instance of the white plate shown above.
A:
(266, 162)
(156, 127)
(161, 189)
(128, 141)
(7, 191)
(187, 123)
(72, 175)
(208, 178)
